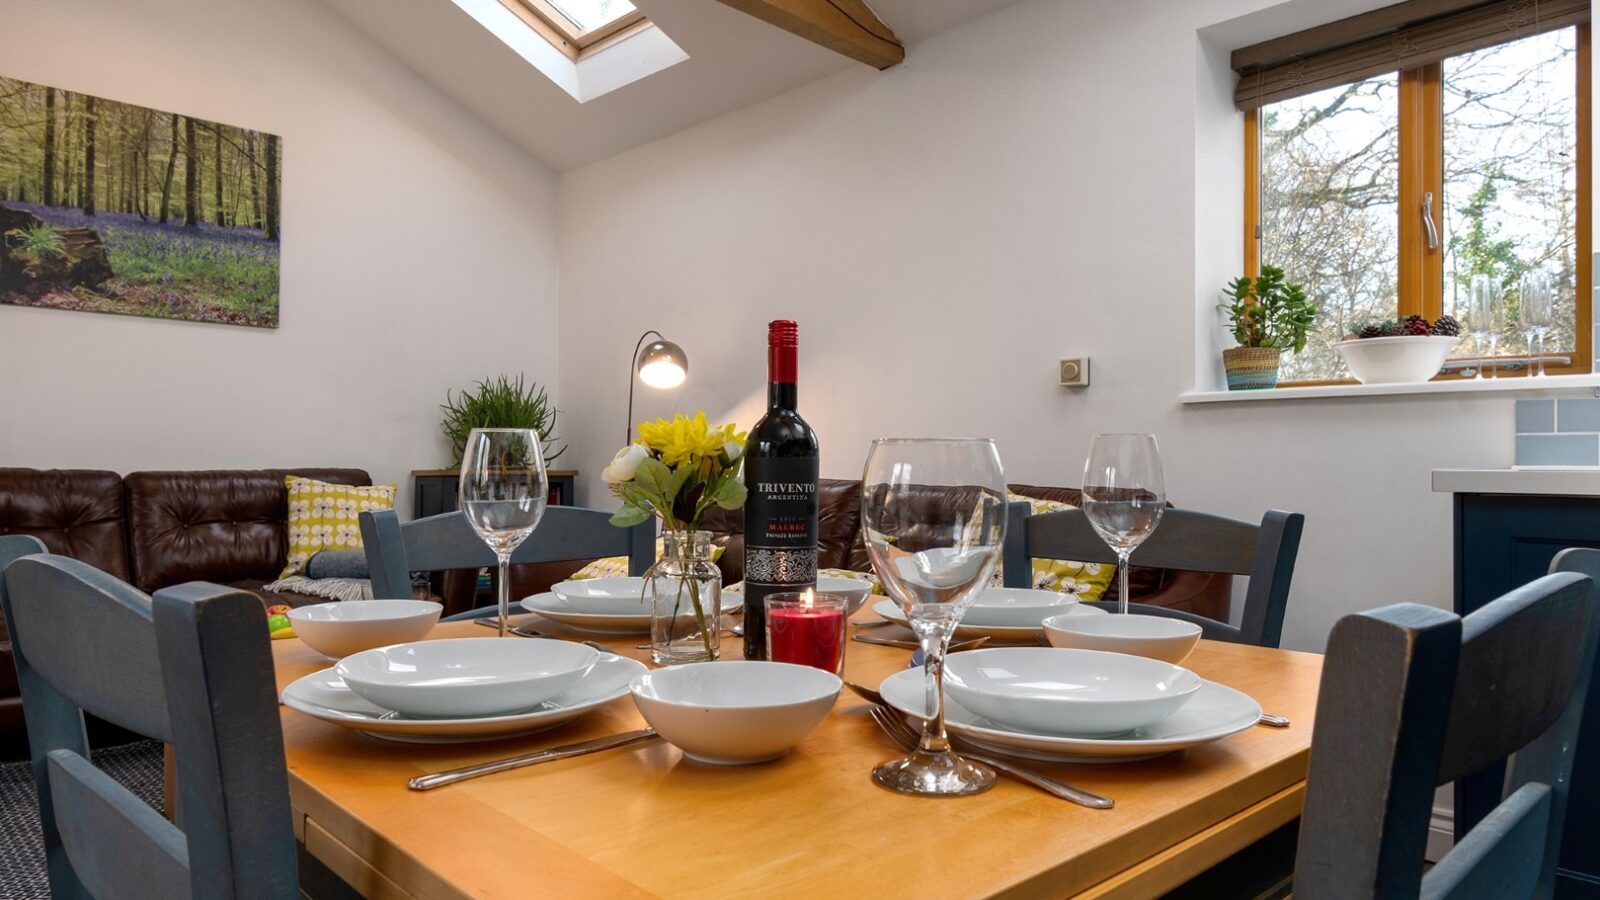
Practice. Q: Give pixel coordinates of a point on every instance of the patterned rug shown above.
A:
(22, 874)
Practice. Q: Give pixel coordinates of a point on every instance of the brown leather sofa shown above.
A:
(155, 530)
(840, 546)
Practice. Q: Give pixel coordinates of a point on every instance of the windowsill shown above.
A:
(1462, 386)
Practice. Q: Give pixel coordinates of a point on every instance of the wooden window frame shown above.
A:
(1421, 270)
(544, 18)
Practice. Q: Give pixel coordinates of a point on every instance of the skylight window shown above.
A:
(587, 15)
(575, 26)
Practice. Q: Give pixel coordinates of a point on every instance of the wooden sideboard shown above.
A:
(434, 490)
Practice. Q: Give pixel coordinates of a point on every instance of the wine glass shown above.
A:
(1124, 494)
(934, 517)
(503, 494)
(1483, 316)
(1536, 311)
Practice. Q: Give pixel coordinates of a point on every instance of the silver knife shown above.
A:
(440, 779)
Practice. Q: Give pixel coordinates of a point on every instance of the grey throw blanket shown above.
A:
(331, 575)
(337, 564)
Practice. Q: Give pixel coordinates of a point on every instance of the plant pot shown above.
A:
(1252, 368)
(1394, 360)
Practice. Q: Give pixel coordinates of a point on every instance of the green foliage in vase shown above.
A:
(500, 403)
(1267, 312)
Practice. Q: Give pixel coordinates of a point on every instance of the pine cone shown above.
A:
(1447, 326)
(1370, 330)
(1391, 328)
(1416, 326)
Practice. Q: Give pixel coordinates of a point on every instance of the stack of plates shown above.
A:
(466, 689)
(1005, 614)
(604, 605)
(1076, 705)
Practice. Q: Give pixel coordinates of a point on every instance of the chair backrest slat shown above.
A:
(1412, 697)
(90, 636)
(119, 847)
(1189, 541)
(447, 541)
(191, 666)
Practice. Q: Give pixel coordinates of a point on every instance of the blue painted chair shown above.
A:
(190, 667)
(1413, 697)
(1185, 540)
(447, 541)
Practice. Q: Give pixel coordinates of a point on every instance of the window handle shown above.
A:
(1427, 220)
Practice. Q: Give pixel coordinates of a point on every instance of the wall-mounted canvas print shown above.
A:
(108, 207)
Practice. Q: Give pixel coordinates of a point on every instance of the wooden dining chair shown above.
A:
(190, 667)
(1413, 697)
(446, 541)
(1185, 540)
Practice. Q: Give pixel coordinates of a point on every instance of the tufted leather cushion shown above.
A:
(76, 512)
(223, 526)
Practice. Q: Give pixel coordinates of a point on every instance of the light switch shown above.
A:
(1075, 372)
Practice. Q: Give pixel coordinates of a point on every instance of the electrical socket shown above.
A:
(1075, 372)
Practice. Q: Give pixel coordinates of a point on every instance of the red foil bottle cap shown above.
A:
(783, 340)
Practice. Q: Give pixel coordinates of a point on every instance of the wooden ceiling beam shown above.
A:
(843, 26)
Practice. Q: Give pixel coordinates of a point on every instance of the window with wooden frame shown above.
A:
(1393, 156)
(578, 27)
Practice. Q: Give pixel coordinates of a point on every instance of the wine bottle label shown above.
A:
(781, 521)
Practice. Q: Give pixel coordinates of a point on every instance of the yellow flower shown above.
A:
(685, 439)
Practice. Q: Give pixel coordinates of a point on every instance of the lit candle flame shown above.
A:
(808, 599)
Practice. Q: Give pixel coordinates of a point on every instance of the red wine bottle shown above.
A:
(780, 510)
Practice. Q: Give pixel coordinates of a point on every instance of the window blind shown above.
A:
(1402, 36)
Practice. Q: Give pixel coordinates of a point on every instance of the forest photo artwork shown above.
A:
(108, 207)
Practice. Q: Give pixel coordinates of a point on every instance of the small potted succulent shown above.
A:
(1267, 316)
(1409, 350)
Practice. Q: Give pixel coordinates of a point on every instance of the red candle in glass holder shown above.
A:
(807, 629)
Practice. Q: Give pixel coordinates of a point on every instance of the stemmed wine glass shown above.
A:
(1124, 494)
(934, 514)
(1483, 317)
(503, 494)
(1536, 311)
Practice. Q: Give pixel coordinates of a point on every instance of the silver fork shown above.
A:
(908, 740)
(524, 630)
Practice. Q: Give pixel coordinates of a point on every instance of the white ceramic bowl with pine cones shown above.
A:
(1396, 360)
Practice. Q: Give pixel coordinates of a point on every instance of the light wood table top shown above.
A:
(645, 822)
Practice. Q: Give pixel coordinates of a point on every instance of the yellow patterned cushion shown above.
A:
(1088, 580)
(326, 516)
(617, 566)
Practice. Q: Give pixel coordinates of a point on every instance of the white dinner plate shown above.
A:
(890, 610)
(556, 609)
(324, 695)
(1213, 712)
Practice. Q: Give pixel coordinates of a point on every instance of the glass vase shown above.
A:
(684, 588)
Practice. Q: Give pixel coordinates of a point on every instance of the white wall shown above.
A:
(418, 254)
(1023, 188)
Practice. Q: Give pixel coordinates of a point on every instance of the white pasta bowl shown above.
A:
(1169, 640)
(604, 596)
(1393, 360)
(854, 590)
(736, 712)
(337, 630)
(1016, 607)
(1070, 692)
(466, 677)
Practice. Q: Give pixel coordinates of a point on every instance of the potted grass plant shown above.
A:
(1267, 316)
(499, 403)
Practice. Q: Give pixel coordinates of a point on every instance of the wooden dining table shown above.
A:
(646, 822)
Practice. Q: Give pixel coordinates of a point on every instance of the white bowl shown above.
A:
(1016, 607)
(605, 596)
(337, 630)
(854, 590)
(1388, 360)
(1169, 640)
(462, 677)
(737, 712)
(1075, 692)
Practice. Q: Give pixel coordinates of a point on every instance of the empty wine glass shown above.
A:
(1537, 311)
(503, 494)
(1483, 317)
(934, 515)
(1124, 494)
